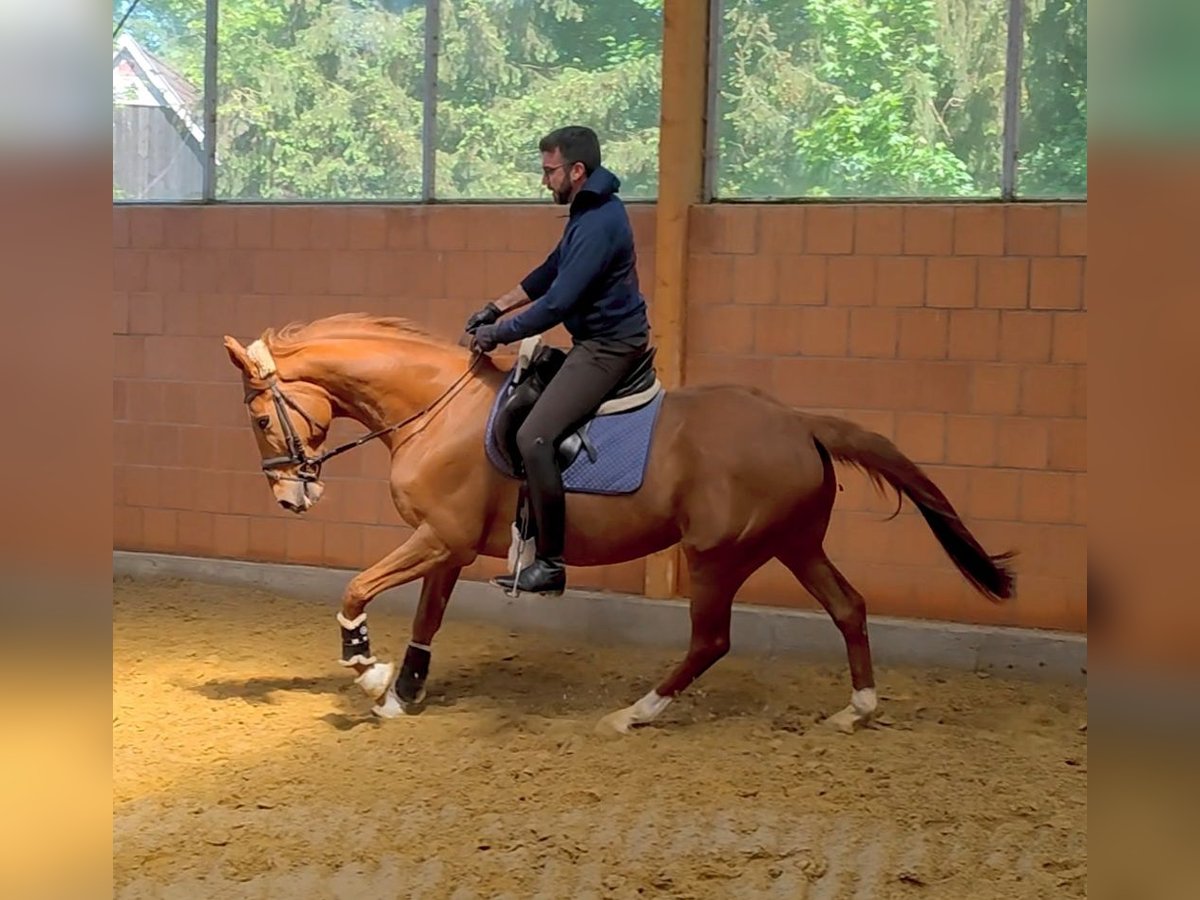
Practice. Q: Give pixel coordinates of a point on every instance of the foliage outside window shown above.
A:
(325, 99)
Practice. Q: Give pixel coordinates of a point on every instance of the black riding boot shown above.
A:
(547, 574)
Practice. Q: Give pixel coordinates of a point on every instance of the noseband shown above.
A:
(308, 468)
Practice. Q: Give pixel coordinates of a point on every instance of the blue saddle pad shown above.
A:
(622, 442)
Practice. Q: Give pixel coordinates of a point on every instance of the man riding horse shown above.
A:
(589, 284)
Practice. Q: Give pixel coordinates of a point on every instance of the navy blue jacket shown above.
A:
(589, 282)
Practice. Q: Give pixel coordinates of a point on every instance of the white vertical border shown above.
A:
(433, 36)
(1012, 98)
(716, 11)
(208, 192)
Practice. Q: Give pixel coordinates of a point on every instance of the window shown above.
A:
(1053, 138)
(320, 100)
(843, 98)
(158, 101)
(512, 70)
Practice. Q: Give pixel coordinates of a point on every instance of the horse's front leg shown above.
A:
(435, 594)
(421, 554)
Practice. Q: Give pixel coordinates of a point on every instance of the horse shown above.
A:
(733, 476)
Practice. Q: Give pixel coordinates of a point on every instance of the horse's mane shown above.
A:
(343, 326)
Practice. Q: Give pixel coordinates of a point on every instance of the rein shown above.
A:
(308, 468)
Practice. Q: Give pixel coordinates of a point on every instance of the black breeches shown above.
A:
(590, 371)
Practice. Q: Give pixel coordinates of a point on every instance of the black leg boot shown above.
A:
(547, 574)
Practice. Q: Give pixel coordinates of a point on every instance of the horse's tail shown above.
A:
(882, 461)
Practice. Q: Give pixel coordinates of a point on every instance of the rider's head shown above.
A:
(569, 156)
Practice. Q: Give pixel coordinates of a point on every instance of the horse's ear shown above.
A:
(239, 357)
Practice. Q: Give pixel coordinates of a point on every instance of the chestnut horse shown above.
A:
(734, 476)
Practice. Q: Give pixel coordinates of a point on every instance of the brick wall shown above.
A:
(958, 331)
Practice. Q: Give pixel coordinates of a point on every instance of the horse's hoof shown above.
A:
(376, 679)
(848, 720)
(615, 724)
(389, 708)
(415, 706)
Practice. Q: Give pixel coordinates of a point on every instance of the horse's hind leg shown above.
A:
(713, 588)
(849, 612)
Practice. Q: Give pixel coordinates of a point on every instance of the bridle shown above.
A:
(308, 468)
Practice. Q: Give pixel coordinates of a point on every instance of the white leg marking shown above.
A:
(645, 710)
(861, 710)
(376, 678)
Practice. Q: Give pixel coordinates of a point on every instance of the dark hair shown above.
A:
(577, 143)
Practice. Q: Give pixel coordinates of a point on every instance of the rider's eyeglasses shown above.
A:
(547, 171)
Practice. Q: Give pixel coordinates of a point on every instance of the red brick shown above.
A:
(268, 539)
(924, 333)
(942, 386)
(504, 270)
(974, 334)
(120, 229)
(996, 389)
(879, 230)
(1079, 400)
(802, 280)
(1056, 284)
(329, 228)
(979, 230)
(1072, 230)
(366, 229)
(778, 330)
(310, 272)
(717, 228)
(971, 440)
(182, 227)
(486, 228)
(1004, 283)
(754, 278)
(343, 545)
(950, 282)
(130, 269)
(348, 271)
(721, 329)
(899, 281)
(1031, 230)
(195, 532)
(851, 281)
(710, 278)
(929, 230)
(824, 332)
(1069, 343)
(147, 229)
(1047, 390)
(1079, 496)
(447, 228)
(994, 494)
(291, 227)
(829, 229)
(921, 436)
(254, 227)
(1068, 444)
(1046, 496)
(1025, 336)
(782, 229)
(1023, 443)
(464, 278)
(160, 529)
(218, 227)
(164, 270)
(705, 368)
(231, 536)
(873, 332)
(272, 273)
(145, 314)
(305, 541)
(127, 527)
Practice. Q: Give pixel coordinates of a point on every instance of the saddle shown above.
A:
(536, 364)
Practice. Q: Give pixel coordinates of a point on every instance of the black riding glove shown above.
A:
(486, 316)
(484, 338)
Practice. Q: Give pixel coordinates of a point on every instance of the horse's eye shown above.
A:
(263, 422)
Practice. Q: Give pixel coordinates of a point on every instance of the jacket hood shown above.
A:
(600, 185)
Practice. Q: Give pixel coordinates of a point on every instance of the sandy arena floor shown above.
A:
(247, 764)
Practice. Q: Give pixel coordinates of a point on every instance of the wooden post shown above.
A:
(680, 184)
